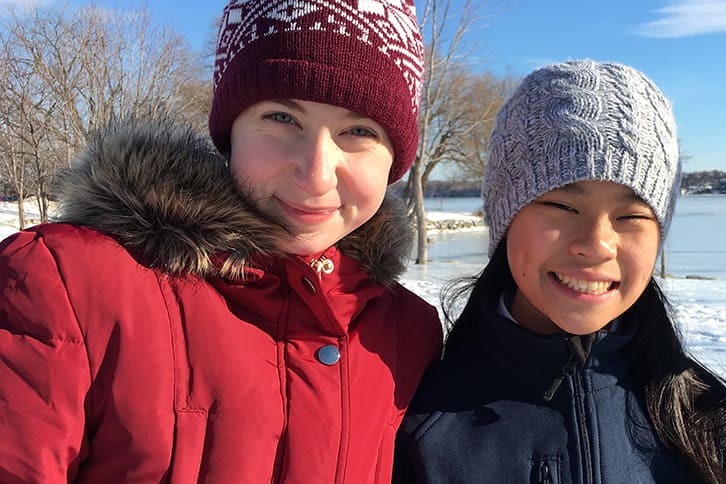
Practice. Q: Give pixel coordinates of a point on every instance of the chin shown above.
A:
(304, 248)
(579, 330)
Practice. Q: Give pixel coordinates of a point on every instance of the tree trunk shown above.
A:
(418, 193)
(21, 211)
(43, 205)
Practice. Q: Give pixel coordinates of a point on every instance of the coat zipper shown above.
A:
(344, 446)
(281, 357)
(585, 443)
(545, 475)
(570, 370)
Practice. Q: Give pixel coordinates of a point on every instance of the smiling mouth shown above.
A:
(314, 211)
(594, 288)
(304, 210)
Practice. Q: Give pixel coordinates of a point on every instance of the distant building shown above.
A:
(720, 186)
(701, 189)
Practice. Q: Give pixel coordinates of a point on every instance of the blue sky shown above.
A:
(680, 44)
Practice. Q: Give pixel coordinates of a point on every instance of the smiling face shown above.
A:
(581, 255)
(320, 169)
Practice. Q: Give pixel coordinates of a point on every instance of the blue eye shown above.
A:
(281, 118)
(360, 131)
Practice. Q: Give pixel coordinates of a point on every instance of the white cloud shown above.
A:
(685, 18)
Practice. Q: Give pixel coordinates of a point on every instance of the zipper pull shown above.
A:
(550, 393)
(323, 265)
(566, 370)
(545, 477)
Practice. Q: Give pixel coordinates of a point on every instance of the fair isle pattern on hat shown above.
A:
(388, 22)
(576, 121)
(362, 55)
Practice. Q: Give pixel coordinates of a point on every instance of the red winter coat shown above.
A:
(159, 337)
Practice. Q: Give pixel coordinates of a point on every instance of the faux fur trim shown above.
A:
(165, 193)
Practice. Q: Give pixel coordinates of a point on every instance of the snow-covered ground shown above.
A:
(9, 217)
(700, 304)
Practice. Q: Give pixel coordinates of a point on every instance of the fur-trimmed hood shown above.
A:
(165, 193)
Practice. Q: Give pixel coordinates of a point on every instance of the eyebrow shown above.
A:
(627, 192)
(289, 103)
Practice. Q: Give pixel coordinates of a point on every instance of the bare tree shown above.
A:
(193, 103)
(26, 109)
(445, 24)
(71, 72)
(486, 95)
(109, 65)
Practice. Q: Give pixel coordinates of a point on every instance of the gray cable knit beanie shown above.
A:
(575, 121)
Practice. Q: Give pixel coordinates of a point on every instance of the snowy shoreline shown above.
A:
(440, 221)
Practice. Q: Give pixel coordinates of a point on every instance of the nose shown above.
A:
(317, 164)
(596, 240)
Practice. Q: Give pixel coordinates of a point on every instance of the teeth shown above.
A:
(586, 287)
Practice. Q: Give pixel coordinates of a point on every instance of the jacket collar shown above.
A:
(538, 359)
(165, 194)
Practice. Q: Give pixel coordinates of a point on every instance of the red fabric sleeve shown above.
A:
(44, 369)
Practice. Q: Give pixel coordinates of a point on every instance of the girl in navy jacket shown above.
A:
(565, 365)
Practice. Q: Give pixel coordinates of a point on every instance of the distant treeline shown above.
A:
(444, 189)
(703, 181)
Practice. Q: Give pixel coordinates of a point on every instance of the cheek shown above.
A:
(643, 268)
(642, 254)
(367, 197)
(518, 240)
(366, 180)
(517, 258)
(241, 171)
(251, 168)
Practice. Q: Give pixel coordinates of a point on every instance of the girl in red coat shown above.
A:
(202, 318)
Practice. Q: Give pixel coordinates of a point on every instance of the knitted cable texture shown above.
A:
(576, 121)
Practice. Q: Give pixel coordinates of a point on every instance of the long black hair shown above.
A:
(686, 402)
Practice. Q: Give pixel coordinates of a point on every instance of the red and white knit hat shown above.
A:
(363, 55)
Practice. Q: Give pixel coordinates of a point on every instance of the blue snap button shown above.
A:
(328, 355)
